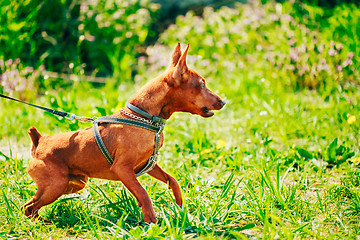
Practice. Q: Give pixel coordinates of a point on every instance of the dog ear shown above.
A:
(181, 66)
(176, 55)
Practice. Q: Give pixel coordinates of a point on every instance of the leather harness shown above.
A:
(154, 124)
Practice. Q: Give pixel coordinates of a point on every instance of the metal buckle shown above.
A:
(157, 119)
(81, 119)
(72, 116)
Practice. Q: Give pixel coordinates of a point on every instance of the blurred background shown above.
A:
(297, 44)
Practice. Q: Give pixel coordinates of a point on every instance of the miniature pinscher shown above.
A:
(62, 163)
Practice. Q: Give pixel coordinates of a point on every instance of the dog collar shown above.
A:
(153, 118)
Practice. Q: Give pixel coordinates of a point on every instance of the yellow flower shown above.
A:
(355, 160)
(221, 143)
(242, 222)
(351, 119)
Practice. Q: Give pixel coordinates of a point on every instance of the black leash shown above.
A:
(58, 113)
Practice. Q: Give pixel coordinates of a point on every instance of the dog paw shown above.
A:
(149, 217)
(150, 220)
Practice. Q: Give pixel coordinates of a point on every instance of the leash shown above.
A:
(152, 123)
(58, 113)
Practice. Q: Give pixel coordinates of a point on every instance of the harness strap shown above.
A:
(158, 129)
(128, 121)
(101, 144)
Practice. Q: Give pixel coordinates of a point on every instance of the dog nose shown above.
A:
(222, 103)
(218, 104)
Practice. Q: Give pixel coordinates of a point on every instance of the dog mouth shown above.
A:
(206, 112)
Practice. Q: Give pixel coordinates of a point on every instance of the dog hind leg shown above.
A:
(51, 180)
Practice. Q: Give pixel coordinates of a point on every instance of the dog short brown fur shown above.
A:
(63, 163)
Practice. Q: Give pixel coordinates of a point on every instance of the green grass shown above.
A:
(271, 164)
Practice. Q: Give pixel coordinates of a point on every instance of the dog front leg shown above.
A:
(127, 177)
(163, 176)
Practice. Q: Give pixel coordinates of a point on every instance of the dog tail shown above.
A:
(35, 137)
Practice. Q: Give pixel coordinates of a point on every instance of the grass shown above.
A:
(273, 164)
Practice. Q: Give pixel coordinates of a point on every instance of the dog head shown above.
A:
(189, 90)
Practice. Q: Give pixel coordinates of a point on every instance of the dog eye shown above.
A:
(202, 85)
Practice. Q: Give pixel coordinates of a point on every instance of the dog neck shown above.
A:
(153, 98)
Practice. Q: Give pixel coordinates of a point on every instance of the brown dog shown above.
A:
(63, 163)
